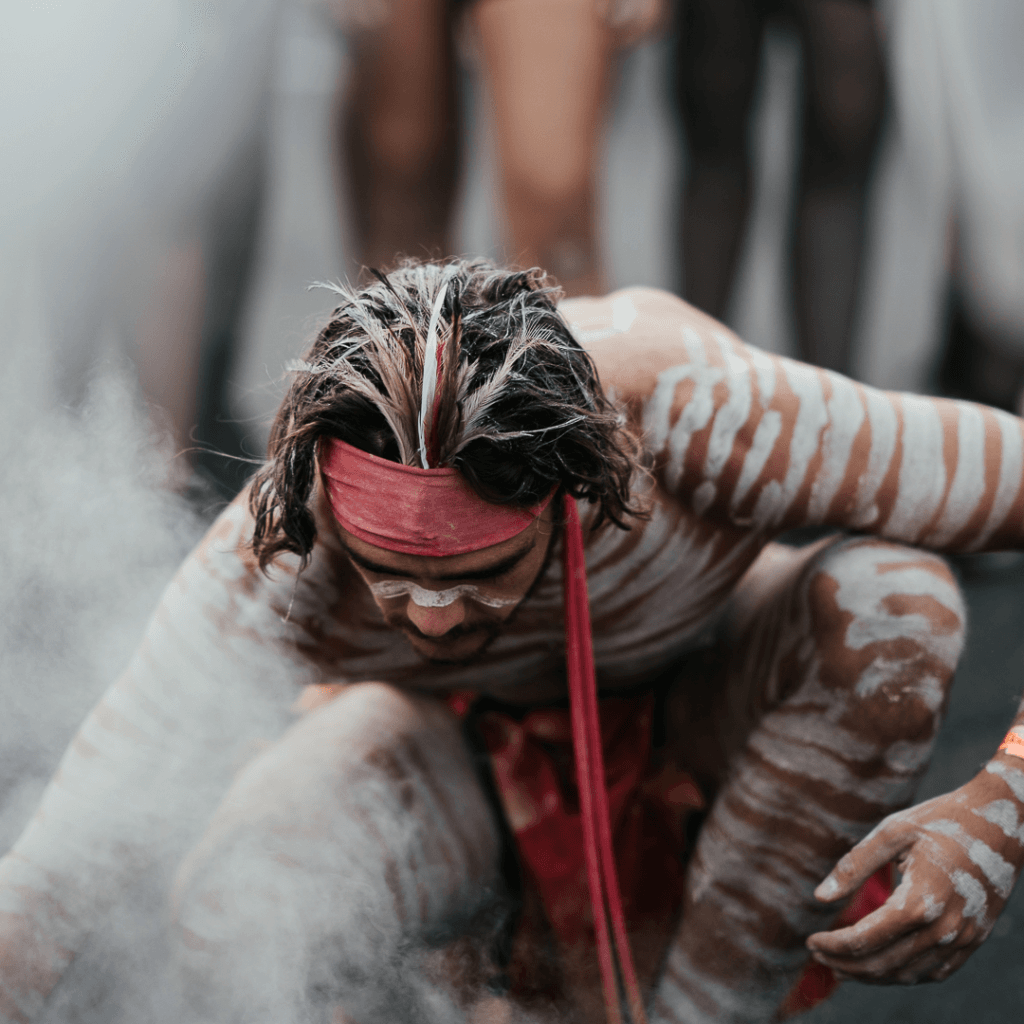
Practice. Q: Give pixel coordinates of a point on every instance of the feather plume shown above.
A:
(428, 391)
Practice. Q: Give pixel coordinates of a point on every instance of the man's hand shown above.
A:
(959, 855)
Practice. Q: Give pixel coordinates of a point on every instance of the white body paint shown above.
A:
(388, 590)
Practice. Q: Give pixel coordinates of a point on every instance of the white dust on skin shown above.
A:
(389, 590)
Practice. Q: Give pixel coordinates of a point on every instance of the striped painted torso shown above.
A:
(741, 445)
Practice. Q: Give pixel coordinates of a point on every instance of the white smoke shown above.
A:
(89, 538)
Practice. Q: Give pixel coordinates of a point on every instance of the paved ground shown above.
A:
(303, 245)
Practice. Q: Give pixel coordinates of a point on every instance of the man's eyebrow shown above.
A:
(486, 573)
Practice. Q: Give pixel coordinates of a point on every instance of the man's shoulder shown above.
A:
(636, 334)
(223, 576)
(593, 318)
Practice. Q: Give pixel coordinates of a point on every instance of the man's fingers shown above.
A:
(878, 929)
(875, 849)
(934, 965)
(886, 964)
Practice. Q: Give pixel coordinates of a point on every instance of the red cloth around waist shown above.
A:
(533, 769)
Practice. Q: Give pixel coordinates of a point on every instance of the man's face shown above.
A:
(451, 608)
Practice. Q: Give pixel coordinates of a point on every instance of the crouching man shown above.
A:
(412, 846)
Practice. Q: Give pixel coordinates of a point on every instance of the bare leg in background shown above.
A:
(396, 137)
(548, 66)
(844, 101)
(715, 72)
(844, 90)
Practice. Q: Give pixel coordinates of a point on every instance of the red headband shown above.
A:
(414, 511)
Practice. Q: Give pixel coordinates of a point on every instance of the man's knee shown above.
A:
(887, 625)
(365, 820)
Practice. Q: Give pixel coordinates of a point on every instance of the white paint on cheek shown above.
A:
(973, 893)
(1013, 777)
(388, 590)
(948, 937)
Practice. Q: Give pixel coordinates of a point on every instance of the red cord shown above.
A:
(602, 877)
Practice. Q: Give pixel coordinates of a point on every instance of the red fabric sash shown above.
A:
(532, 764)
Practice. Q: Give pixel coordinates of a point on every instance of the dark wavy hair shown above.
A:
(520, 406)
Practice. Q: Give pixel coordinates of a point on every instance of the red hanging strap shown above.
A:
(602, 878)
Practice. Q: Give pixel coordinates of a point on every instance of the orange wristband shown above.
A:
(1013, 744)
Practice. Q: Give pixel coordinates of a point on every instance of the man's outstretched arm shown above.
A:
(146, 766)
(772, 443)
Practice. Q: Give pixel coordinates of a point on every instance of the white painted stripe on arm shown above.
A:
(761, 447)
(1013, 777)
(694, 346)
(882, 417)
(695, 416)
(764, 367)
(968, 485)
(1010, 465)
(1003, 814)
(730, 417)
(812, 416)
(845, 415)
(922, 480)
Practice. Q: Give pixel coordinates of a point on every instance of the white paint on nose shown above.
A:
(388, 590)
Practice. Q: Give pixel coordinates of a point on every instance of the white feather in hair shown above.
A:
(430, 377)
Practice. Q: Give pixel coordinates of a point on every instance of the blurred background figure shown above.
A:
(134, 170)
(980, 46)
(547, 67)
(945, 273)
(843, 93)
